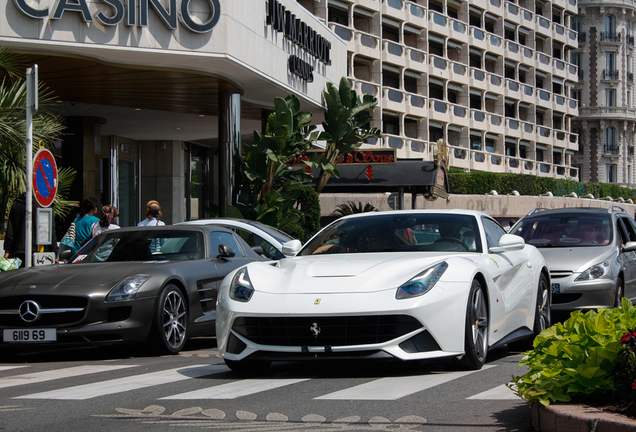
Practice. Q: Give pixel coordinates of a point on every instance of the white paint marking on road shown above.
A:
(135, 382)
(501, 392)
(237, 389)
(4, 368)
(38, 377)
(397, 387)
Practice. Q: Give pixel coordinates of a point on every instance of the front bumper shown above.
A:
(568, 295)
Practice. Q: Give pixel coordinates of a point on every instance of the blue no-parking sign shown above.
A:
(44, 177)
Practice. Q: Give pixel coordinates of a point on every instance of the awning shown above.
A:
(339, 4)
(525, 105)
(454, 3)
(435, 124)
(454, 45)
(511, 141)
(570, 84)
(454, 128)
(475, 133)
(456, 87)
(363, 59)
(524, 143)
(523, 68)
(524, 31)
(557, 80)
(509, 25)
(475, 51)
(491, 96)
(557, 150)
(412, 74)
(492, 136)
(432, 37)
(411, 29)
(389, 68)
(390, 22)
(510, 63)
(541, 74)
(541, 147)
(475, 92)
(363, 12)
(435, 81)
(491, 16)
(475, 9)
(509, 101)
(491, 57)
(411, 176)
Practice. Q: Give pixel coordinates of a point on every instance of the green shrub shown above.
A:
(575, 359)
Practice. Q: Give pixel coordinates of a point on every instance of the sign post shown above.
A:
(31, 108)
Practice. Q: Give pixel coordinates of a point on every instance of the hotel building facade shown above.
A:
(159, 94)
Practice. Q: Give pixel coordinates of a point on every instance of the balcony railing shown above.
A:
(610, 37)
(610, 74)
(611, 149)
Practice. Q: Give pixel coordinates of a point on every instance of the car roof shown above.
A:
(279, 235)
(475, 213)
(170, 228)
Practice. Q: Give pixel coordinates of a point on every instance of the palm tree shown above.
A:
(351, 207)
(47, 127)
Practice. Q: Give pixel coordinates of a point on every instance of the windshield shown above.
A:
(569, 230)
(411, 232)
(143, 245)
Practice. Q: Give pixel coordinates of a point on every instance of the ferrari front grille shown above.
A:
(324, 331)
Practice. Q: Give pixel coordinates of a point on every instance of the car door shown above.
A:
(628, 259)
(513, 288)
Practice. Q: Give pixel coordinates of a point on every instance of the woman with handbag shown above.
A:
(83, 223)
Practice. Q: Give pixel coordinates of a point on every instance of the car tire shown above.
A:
(476, 329)
(619, 292)
(170, 322)
(248, 367)
(542, 316)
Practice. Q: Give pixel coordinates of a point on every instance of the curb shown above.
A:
(578, 418)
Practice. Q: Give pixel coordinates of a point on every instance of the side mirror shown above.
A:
(225, 251)
(508, 243)
(65, 255)
(629, 246)
(259, 250)
(292, 247)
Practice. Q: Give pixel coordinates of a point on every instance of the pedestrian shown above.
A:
(108, 221)
(153, 218)
(14, 246)
(511, 222)
(153, 215)
(84, 222)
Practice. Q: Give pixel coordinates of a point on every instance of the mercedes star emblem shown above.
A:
(29, 311)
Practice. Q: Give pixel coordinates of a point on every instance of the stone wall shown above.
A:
(500, 206)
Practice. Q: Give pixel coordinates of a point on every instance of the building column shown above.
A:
(229, 147)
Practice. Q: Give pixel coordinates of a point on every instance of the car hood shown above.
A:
(575, 259)
(51, 278)
(341, 273)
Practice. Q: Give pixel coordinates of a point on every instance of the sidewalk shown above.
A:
(578, 418)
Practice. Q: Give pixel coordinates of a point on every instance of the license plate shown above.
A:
(30, 335)
(556, 288)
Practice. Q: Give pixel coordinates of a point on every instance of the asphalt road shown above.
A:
(120, 389)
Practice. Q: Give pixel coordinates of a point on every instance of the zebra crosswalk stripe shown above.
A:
(49, 375)
(4, 368)
(501, 392)
(396, 387)
(119, 385)
(237, 389)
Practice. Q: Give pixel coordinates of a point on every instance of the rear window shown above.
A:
(569, 230)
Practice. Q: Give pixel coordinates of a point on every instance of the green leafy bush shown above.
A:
(574, 360)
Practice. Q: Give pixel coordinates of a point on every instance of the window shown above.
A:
(611, 173)
(575, 23)
(610, 61)
(225, 238)
(610, 97)
(610, 24)
(493, 232)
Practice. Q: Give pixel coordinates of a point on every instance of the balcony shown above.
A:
(610, 37)
(611, 149)
(610, 74)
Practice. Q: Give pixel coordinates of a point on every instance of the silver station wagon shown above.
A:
(590, 253)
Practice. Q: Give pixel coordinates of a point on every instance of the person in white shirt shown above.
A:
(153, 218)
(107, 222)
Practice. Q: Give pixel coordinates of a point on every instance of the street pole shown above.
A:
(31, 108)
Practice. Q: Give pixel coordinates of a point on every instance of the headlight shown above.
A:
(595, 272)
(127, 289)
(422, 283)
(241, 288)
